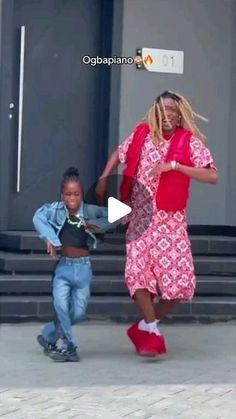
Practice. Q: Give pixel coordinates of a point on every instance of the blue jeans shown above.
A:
(71, 291)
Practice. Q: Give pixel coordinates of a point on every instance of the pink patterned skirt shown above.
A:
(160, 259)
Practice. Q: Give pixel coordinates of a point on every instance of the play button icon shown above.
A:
(117, 210)
(120, 217)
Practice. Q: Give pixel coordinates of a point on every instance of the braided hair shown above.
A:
(187, 116)
(70, 175)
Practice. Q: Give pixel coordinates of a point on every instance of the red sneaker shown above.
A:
(136, 335)
(153, 345)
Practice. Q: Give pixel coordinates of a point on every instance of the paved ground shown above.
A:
(196, 380)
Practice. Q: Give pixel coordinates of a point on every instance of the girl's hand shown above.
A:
(51, 249)
(160, 168)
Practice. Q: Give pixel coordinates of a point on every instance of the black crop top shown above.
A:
(72, 235)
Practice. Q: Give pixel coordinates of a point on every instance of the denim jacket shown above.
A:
(50, 218)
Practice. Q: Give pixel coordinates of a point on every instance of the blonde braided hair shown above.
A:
(187, 116)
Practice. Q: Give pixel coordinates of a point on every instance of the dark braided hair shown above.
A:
(168, 95)
(70, 175)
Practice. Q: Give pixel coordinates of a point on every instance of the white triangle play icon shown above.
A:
(117, 209)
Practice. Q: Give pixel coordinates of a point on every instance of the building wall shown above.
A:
(204, 30)
(231, 151)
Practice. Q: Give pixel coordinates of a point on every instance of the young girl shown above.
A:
(67, 224)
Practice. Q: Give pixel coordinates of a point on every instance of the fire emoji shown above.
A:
(148, 60)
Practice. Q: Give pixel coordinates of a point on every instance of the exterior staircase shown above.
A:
(25, 280)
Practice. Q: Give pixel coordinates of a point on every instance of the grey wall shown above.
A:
(115, 85)
(203, 29)
(231, 187)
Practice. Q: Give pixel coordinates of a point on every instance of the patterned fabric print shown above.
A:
(158, 248)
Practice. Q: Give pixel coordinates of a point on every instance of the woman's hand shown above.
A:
(101, 190)
(51, 249)
(160, 168)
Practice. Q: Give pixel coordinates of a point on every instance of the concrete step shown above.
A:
(23, 308)
(115, 243)
(107, 285)
(15, 262)
(115, 264)
(201, 245)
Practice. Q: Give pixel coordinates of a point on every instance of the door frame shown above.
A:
(6, 69)
(6, 46)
